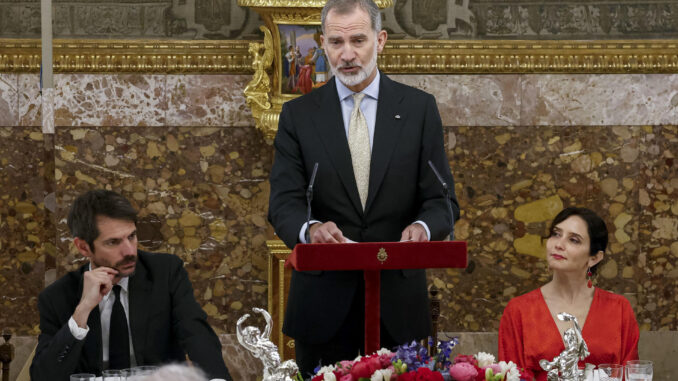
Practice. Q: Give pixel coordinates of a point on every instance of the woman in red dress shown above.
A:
(530, 331)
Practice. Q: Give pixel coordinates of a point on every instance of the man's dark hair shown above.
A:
(82, 219)
(595, 225)
(343, 7)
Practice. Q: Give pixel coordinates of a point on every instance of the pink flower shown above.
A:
(347, 377)
(466, 358)
(463, 371)
(496, 368)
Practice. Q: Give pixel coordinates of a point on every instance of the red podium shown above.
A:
(371, 257)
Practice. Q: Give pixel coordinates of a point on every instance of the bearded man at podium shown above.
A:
(372, 139)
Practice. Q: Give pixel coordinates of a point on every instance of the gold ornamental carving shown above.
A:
(258, 89)
(398, 57)
(128, 56)
(382, 255)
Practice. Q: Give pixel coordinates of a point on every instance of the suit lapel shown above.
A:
(139, 298)
(329, 123)
(386, 133)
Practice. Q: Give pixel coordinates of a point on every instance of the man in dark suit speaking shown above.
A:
(125, 308)
(372, 139)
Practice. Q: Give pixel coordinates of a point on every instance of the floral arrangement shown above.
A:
(412, 363)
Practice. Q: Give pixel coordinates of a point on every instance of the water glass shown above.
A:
(111, 375)
(144, 370)
(587, 370)
(610, 372)
(83, 377)
(638, 370)
(127, 374)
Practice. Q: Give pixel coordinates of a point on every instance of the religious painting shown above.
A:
(304, 63)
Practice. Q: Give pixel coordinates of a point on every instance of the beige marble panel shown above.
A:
(8, 99)
(30, 101)
(110, 100)
(656, 265)
(472, 100)
(588, 99)
(207, 100)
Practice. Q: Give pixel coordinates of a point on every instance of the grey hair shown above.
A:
(176, 372)
(343, 7)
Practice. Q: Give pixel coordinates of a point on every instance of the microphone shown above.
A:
(446, 192)
(309, 197)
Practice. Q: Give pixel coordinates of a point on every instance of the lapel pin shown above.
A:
(397, 116)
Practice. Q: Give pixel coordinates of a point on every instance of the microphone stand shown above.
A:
(446, 192)
(309, 197)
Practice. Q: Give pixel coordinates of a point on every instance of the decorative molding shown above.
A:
(529, 56)
(298, 3)
(398, 57)
(128, 56)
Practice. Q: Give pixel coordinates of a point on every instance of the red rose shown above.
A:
(361, 370)
(409, 376)
(386, 360)
(426, 374)
(374, 364)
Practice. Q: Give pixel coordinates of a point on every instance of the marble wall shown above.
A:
(184, 150)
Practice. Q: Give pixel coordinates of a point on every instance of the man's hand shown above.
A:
(327, 232)
(415, 233)
(95, 285)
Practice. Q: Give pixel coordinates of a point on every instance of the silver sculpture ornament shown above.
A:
(564, 366)
(263, 348)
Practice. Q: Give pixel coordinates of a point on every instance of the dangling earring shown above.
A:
(589, 283)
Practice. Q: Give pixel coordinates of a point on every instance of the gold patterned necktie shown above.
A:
(359, 144)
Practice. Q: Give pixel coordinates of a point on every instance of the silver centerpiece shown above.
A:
(263, 348)
(564, 366)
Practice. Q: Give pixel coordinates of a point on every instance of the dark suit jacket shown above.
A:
(402, 189)
(165, 320)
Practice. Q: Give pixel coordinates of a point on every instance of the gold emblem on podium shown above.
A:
(382, 256)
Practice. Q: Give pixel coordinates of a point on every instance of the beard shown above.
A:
(362, 74)
(118, 266)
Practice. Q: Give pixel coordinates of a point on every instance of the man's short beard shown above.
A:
(361, 75)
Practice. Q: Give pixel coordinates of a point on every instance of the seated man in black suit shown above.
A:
(125, 308)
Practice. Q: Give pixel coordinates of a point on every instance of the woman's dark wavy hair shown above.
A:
(596, 228)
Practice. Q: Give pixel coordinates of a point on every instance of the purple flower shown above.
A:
(414, 355)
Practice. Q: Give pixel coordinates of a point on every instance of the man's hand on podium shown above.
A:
(327, 232)
(414, 233)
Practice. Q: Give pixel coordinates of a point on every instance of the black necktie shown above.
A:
(118, 340)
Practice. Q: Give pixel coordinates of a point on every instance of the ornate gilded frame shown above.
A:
(399, 56)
